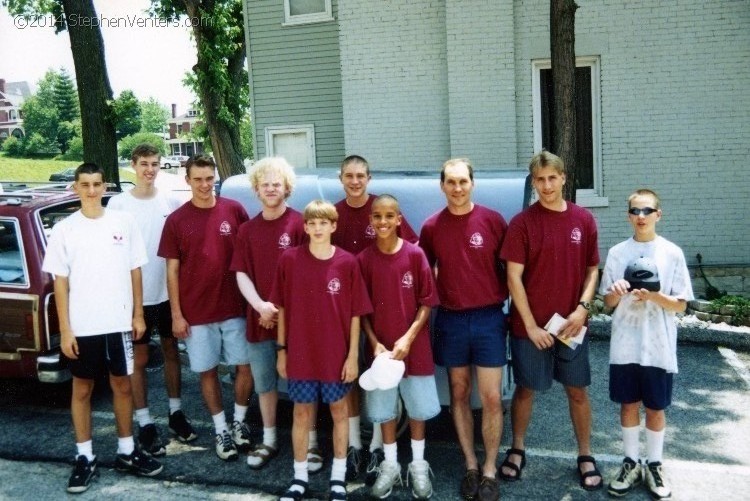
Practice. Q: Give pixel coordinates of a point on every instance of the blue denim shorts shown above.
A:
(307, 392)
(263, 366)
(471, 337)
(420, 399)
(208, 344)
(630, 383)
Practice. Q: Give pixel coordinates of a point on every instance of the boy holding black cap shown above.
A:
(646, 279)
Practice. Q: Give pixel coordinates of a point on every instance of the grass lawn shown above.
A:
(29, 169)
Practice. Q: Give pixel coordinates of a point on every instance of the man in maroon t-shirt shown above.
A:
(354, 233)
(463, 243)
(552, 255)
(207, 307)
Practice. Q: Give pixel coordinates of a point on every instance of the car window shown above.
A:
(53, 215)
(13, 269)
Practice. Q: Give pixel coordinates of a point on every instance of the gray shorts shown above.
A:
(263, 365)
(209, 344)
(535, 369)
(420, 399)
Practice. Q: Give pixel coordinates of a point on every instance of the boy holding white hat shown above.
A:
(646, 279)
(399, 281)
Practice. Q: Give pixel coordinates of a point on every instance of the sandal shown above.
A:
(314, 461)
(513, 466)
(259, 457)
(294, 493)
(337, 495)
(593, 473)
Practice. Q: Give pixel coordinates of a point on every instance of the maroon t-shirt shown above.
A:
(354, 233)
(260, 243)
(555, 249)
(203, 240)
(320, 298)
(398, 285)
(466, 249)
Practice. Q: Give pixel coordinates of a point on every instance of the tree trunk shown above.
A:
(225, 138)
(94, 91)
(562, 49)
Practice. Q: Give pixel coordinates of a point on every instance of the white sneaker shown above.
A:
(418, 475)
(655, 482)
(225, 447)
(629, 476)
(389, 474)
(241, 436)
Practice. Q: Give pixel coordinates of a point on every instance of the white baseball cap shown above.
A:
(384, 374)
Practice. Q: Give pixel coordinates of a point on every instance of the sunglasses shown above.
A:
(646, 211)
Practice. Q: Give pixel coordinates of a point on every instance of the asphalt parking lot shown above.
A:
(707, 451)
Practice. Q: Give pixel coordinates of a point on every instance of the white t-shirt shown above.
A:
(97, 256)
(150, 216)
(643, 332)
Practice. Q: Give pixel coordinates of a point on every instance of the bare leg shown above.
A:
(268, 402)
(243, 385)
(489, 380)
(655, 420)
(460, 381)
(80, 408)
(520, 416)
(211, 390)
(172, 367)
(340, 418)
(416, 429)
(389, 431)
(629, 415)
(138, 379)
(303, 413)
(580, 414)
(122, 402)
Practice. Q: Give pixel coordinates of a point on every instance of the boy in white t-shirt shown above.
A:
(96, 256)
(646, 279)
(150, 208)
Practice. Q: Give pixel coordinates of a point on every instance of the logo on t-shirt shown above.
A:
(334, 286)
(575, 236)
(117, 238)
(407, 280)
(370, 231)
(285, 241)
(476, 241)
(225, 228)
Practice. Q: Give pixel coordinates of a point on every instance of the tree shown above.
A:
(154, 116)
(562, 50)
(40, 117)
(127, 114)
(94, 90)
(128, 144)
(66, 98)
(219, 77)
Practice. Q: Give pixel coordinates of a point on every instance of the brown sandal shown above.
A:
(264, 454)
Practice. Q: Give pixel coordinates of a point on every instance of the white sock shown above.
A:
(338, 469)
(86, 449)
(240, 411)
(377, 437)
(175, 404)
(654, 445)
(269, 436)
(300, 471)
(631, 442)
(390, 451)
(125, 445)
(312, 439)
(220, 422)
(417, 450)
(355, 440)
(143, 416)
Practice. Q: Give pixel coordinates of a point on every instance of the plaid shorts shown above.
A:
(305, 391)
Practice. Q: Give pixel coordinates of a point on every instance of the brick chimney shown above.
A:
(2, 85)
(174, 109)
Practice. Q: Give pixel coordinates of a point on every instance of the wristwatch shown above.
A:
(280, 347)
(586, 305)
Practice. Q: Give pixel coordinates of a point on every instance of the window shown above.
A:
(13, 270)
(295, 143)
(192, 113)
(12, 117)
(588, 124)
(307, 11)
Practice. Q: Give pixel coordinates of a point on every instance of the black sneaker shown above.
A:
(83, 472)
(150, 442)
(181, 427)
(138, 463)
(353, 463)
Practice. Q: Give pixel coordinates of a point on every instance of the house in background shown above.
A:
(12, 95)
(662, 100)
(180, 141)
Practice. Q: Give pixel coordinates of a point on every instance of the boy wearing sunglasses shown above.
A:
(646, 279)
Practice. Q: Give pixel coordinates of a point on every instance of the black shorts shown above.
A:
(631, 383)
(102, 353)
(159, 317)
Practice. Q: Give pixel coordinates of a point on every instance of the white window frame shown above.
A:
(307, 129)
(584, 197)
(317, 17)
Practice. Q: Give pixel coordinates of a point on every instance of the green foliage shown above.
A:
(13, 147)
(739, 304)
(154, 116)
(66, 97)
(40, 117)
(127, 144)
(75, 150)
(66, 131)
(246, 136)
(36, 145)
(126, 111)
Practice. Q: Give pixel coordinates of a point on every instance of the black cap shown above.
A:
(643, 274)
